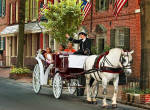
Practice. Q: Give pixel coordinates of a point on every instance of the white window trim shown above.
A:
(16, 11)
(11, 15)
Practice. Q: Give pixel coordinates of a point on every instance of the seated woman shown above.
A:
(48, 56)
(49, 60)
(70, 49)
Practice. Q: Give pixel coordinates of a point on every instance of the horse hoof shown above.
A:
(104, 106)
(89, 102)
(94, 102)
(114, 105)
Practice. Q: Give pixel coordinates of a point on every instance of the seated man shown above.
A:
(70, 49)
(85, 43)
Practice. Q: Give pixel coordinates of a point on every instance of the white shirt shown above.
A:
(83, 40)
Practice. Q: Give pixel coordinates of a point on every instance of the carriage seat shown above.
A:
(77, 61)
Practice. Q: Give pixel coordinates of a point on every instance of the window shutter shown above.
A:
(106, 4)
(4, 8)
(127, 38)
(0, 7)
(3, 43)
(0, 43)
(97, 5)
(112, 38)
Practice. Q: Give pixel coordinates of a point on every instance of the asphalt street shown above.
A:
(20, 96)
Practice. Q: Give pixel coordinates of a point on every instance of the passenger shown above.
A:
(60, 49)
(49, 60)
(48, 56)
(70, 49)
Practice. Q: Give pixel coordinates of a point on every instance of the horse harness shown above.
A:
(103, 68)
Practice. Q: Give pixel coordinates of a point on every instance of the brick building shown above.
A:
(3, 24)
(122, 32)
(34, 36)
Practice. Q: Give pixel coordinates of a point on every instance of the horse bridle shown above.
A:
(122, 59)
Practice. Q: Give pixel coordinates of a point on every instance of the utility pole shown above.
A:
(145, 44)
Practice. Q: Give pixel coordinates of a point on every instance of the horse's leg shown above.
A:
(114, 98)
(104, 85)
(88, 77)
(94, 89)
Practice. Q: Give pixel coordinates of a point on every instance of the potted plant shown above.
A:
(131, 95)
(17, 73)
(145, 96)
(135, 95)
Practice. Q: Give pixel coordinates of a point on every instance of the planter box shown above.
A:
(19, 76)
(145, 98)
(128, 97)
(136, 98)
(123, 96)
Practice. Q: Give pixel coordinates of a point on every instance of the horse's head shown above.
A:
(126, 61)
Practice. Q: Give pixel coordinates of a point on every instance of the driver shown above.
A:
(85, 43)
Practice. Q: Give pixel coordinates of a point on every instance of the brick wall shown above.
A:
(127, 18)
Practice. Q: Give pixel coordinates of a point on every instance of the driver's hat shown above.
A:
(82, 33)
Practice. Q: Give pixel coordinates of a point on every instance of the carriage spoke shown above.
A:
(57, 85)
(36, 79)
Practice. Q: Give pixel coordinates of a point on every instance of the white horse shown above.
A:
(116, 58)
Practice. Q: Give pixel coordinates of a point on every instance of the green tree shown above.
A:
(63, 17)
(21, 22)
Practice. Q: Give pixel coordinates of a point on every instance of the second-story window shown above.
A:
(120, 37)
(35, 9)
(102, 5)
(27, 11)
(2, 8)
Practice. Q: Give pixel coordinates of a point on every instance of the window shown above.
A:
(27, 11)
(120, 37)
(102, 5)
(35, 9)
(42, 18)
(2, 43)
(2, 8)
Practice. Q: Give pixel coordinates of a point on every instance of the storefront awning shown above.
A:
(29, 28)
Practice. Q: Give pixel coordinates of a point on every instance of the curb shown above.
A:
(131, 104)
(4, 66)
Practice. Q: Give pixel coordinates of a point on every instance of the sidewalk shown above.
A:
(4, 72)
